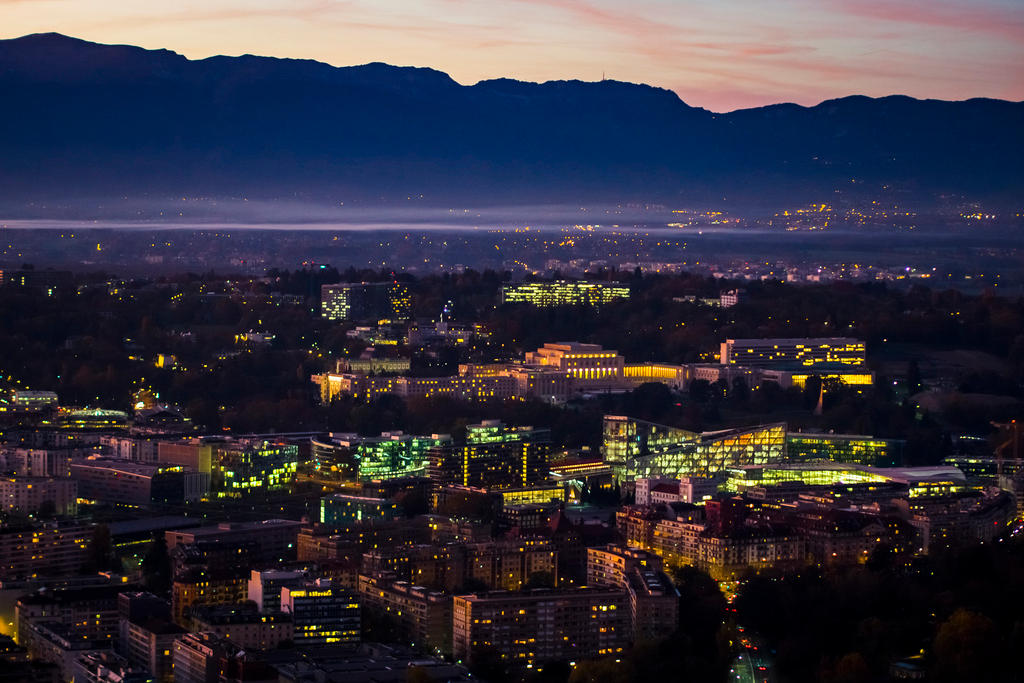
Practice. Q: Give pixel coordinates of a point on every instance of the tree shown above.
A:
(967, 648)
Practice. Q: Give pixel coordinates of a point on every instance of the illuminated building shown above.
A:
(323, 614)
(51, 549)
(637, 449)
(319, 543)
(340, 509)
(365, 301)
(423, 616)
(462, 387)
(493, 455)
(732, 297)
(625, 438)
(589, 365)
(920, 481)
(25, 495)
(132, 483)
(526, 628)
(90, 419)
(809, 352)
(673, 376)
(255, 466)
(392, 455)
(33, 399)
(863, 450)
(609, 565)
(564, 293)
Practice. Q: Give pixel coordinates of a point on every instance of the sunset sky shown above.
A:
(718, 54)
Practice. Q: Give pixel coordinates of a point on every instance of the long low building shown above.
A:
(134, 483)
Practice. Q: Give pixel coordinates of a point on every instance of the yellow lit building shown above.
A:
(564, 293)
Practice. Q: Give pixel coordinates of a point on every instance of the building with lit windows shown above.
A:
(673, 376)
(855, 448)
(244, 625)
(276, 539)
(808, 352)
(253, 466)
(591, 366)
(341, 509)
(392, 455)
(920, 482)
(50, 549)
(423, 616)
(493, 455)
(564, 293)
(357, 301)
(25, 495)
(526, 628)
(637, 449)
(323, 614)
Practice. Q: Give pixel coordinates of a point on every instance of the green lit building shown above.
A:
(355, 301)
(564, 293)
(921, 482)
(853, 448)
(493, 455)
(637, 449)
(251, 466)
(343, 510)
(392, 455)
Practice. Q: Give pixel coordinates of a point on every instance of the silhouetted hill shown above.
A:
(85, 119)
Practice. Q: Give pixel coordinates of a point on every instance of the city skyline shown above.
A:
(721, 57)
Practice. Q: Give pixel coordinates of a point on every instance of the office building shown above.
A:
(147, 634)
(493, 455)
(365, 301)
(341, 509)
(391, 455)
(564, 293)
(323, 614)
(806, 353)
(253, 466)
(136, 483)
(854, 448)
(590, 366)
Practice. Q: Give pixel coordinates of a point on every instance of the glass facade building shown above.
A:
(855, 448)
(245, 467)
(635, 449)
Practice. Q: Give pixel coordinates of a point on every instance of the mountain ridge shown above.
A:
(101, 119)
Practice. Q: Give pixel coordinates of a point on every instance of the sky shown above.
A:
(717, 54)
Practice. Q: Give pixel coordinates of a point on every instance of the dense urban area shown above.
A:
(580, 472)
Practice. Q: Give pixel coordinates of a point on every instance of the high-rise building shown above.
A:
(493, 455)
(355, 301)
(564, 293)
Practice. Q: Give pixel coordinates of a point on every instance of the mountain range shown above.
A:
(81, 119)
